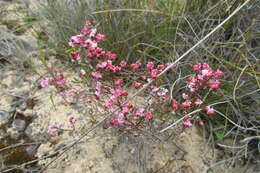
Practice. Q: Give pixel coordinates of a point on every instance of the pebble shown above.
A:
(4, 118)
(13, 133)
(28, 131)
(31, 150)
(19, 125)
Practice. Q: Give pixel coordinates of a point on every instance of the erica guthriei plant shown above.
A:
(107, 81)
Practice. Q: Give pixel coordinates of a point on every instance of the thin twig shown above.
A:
(232, 122)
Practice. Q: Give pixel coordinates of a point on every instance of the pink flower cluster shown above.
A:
(204, 78)
(58, 81)
(56, 128)
(108, 78)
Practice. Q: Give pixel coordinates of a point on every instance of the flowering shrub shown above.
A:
(107, 84)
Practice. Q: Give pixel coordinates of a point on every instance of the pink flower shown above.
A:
(206, 66)
(192, 80)
(155, 89)
(200, 77)
(137, 84)
(89, 44)
(139, 111)
(209, 110)
(122, 64)
(96, 75)
(52, 130)
(118, 120)
(100, 37)
(98, 94)
(174, 104)
(45, 82)
(75, 55)
(149, 115)
(72, 119)
(118, 68)
(150, 101)
(82, 72)
(160, 67)
(59, 76)
(118, 83)
(214, 85)
(85, 31)
(119, 92)
(126, 108)
(60, 83)
(186, 104)
(206, 73)
(150, 65)
(101, 65)
(109, 103)
(112, 68)
(187, 123)
(136, 65)
(98, 86)
(111, 56)
(198, 102)
(197, 67)
(154, 73)
(218, 73)
(92, 32)
(192, 87)
(162, 92)
(87, 24)
(76, 40)
(185, 96)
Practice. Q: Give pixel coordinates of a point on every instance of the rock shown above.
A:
(19, 125)
(2, 134)
(28, 131)
(13, 133)
(4, 118)
(31, 150)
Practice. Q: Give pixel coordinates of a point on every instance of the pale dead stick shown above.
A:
(165, 70)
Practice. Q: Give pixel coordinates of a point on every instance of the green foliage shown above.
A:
(139, 29)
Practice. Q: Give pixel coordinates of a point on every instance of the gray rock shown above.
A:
(28, 131)
(2, 134)
(4, 118)
(13, 133)
(19, 125)
(31, 150)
